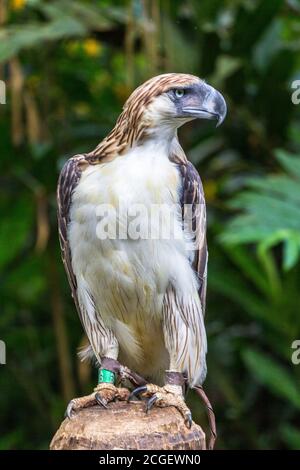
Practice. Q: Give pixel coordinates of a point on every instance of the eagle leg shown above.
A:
(103, 394)
(168, 395)
(106, 391)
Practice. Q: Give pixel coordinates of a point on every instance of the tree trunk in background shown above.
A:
(127, 426)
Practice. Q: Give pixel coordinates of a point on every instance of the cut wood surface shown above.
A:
(127, 426)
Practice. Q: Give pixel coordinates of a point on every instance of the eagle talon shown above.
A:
(151, 402)
(188, 420)
(103, 394)
(101, 401)
(164, 397)
(69, 410)
(137, 391)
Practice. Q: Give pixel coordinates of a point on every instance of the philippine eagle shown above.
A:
(141, 299)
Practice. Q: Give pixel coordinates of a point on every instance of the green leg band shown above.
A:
(106, 376)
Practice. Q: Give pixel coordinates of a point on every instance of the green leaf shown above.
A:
(234, 287)
(248, 265)
(282, 186)
(269, 45)
(177, 44)
(291, 251)
(66, 19)
(275, 377)
(225, 67)
(14, 39)
(291, 436)
(270, 213)
(290, 162)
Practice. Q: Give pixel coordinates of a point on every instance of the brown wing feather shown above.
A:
(193, 195)
(68, 179)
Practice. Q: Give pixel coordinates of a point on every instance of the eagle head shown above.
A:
(175, 98)
(158, 107)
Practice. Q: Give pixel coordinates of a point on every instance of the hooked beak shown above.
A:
(213, 105)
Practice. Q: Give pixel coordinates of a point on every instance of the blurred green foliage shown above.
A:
(69, 66)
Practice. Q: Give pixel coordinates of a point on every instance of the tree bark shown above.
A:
(127, 426)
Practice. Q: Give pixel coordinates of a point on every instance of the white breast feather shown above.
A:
(127, 279)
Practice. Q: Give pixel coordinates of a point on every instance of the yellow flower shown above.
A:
(17, 4)
(92, 47)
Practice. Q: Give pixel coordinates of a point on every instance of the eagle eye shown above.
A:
(179, 92)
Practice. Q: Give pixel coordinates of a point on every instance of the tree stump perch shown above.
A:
(127, 426)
